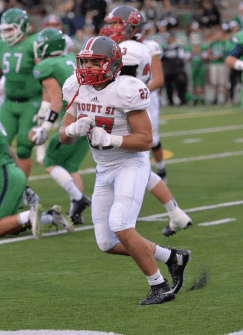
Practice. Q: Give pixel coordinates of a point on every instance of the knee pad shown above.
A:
(153, 181)
(105, 239)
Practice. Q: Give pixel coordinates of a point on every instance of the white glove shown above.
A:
(40, 116)
(99, 137)
(41, 135)
(79, 128)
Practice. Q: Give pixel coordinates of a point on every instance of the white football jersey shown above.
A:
(136, 53)
(154, 49)
(108, 108)
(69, 44)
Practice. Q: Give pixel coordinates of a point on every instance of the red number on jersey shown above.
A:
(143, 93)
(146, 70)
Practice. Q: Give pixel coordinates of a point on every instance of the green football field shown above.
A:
(64, 282)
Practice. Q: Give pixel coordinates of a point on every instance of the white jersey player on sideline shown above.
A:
(125, 26)
(115, 108)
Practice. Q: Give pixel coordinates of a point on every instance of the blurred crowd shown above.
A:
(194, 26)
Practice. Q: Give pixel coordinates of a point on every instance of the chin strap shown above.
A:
(75, 95)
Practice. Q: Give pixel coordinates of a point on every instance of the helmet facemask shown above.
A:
(88, 76)
(14, 35)
(121, 30)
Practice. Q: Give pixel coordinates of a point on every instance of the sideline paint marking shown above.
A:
(169, 161)
(212, 223)
(150, 218)
(53, 233)
(192, 140)
(194, 115)
(200, 131)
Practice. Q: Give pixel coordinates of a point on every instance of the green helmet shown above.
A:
(50, 41)
(17, 20)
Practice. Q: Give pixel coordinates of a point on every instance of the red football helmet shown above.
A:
(102, 48)
(131, 21)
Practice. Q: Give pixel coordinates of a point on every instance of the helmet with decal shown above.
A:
(14, 25)
(124, 23)
(104, 50)
(50, 42)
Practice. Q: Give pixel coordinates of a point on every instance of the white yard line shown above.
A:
(54, 332)
(200, 131)
(168, 161)
(156, 217)
(53, 233)
(212, 223)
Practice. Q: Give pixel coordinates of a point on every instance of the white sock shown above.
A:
(155, 279)
(46, 218)
(65, 180)
(162, 254)
(23, 217)
(171, 205)
(160, 165)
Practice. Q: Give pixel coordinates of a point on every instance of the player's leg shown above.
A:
(9, 119)
(178, 218)
(26, 112)
(62, 163)
(157, 149)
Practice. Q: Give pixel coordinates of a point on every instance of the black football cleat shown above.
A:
(160, 294)
(78, 206)
(177, 268)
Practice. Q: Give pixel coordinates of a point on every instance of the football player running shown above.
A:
(22, 92)
(12, 189)
(61, 162)
(125, 26)
(111, 111)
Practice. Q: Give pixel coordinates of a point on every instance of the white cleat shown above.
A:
(59, 219)
(35, 220)
(178, 220)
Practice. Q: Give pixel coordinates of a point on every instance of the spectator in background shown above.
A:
(150, 11)
(163, 32)
(79, 11)
(210, 15)
(82, 36)
(239, 18)
(4, 5)
(173, 65)
(169, 13)
(234, 75)
(218, 71)
(197, 58)
(74, 14)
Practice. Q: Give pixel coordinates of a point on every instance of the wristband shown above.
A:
(116, 141)
(239, 65)
(51, 116)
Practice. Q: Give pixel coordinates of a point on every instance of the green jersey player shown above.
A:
(12, 189)
(23, 93)
(61, 161)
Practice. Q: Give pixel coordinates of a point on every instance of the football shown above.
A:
(41, 138)
(31, 134)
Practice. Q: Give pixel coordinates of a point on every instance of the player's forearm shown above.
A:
(64, 139)
(234, 63)
(137, 142)
(156, 83)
